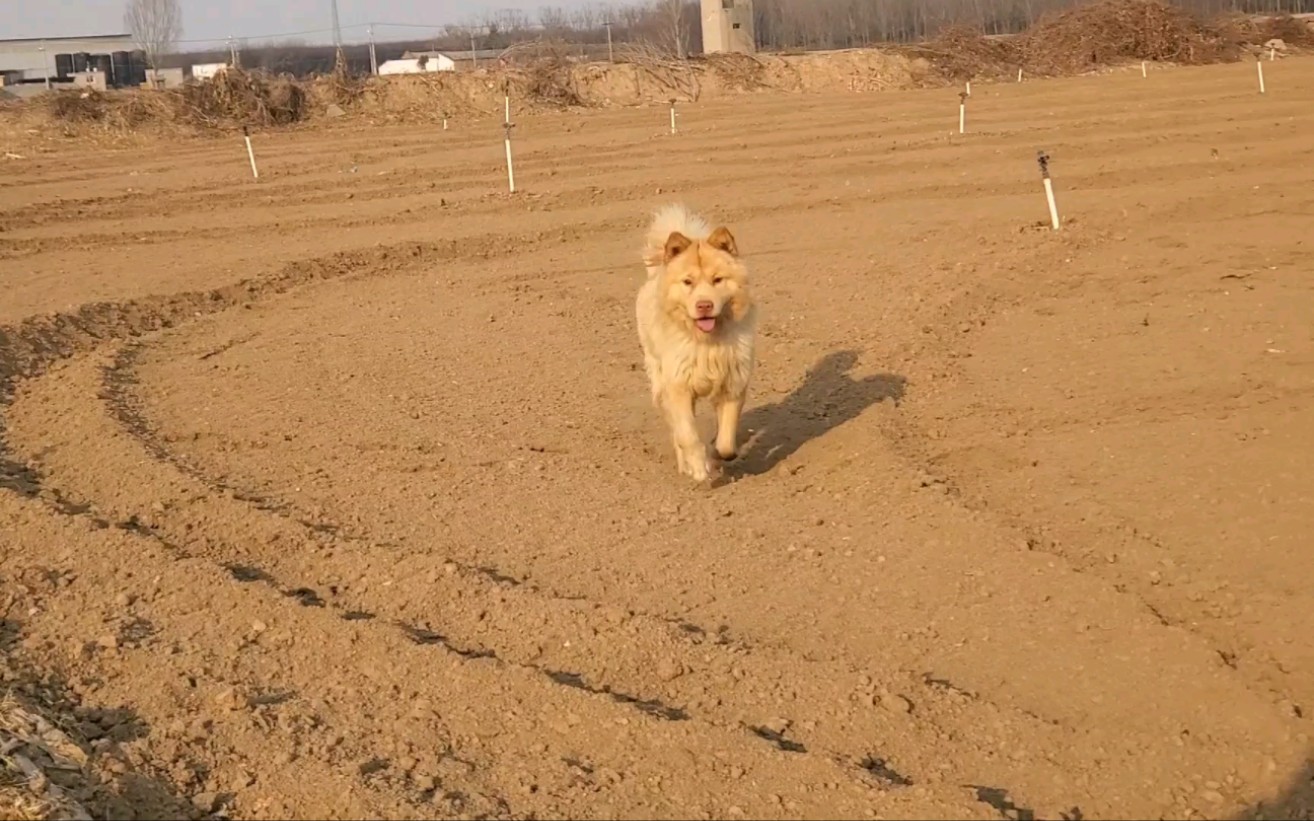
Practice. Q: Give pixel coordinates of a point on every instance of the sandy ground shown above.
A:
(338, 494)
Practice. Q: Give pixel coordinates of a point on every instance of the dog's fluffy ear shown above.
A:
(676, 244)
(722, 240)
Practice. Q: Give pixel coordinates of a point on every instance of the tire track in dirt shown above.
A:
(418, 635)
(644, 673)
(452, 611)
(631, 660)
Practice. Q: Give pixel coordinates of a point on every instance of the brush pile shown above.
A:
(235, 97)
(231, 99)
(961, 53)
(1253, 32)
(1105, 33)
(549, 79)
(1108, 32)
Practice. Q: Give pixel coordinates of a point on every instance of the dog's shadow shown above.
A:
(828, 398)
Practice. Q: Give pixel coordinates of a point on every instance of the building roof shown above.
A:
(70, 37)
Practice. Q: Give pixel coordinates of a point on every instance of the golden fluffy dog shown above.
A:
(696, 325)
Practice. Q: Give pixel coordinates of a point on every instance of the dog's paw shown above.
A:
(727, 457)
(699, 468)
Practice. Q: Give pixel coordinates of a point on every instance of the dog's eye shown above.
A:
(718, 280)
(688, 283)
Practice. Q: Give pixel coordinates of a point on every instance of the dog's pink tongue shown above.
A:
(707, 324)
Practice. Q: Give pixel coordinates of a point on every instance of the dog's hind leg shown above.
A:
(690, 452)
(727, 426)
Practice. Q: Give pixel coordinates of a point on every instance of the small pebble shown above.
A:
(669, 670)
(205, 801)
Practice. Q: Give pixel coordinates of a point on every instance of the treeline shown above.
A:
(784, 25)
(673, 27)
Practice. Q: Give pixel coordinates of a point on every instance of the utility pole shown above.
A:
(474, 55)
(337, 33)
(374, 60)
(45, 63)
(611, 54)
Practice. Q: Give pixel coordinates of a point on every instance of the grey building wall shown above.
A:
(28, 57)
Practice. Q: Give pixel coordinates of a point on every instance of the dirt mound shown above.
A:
(1108, 32)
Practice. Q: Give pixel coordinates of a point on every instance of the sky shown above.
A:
(215, 20)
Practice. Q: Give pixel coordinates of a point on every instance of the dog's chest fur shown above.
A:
(711, 369)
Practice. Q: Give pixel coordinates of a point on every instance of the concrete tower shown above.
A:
(728, 27)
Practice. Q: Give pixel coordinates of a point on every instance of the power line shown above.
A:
(270, 36)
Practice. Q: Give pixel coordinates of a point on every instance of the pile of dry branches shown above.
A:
(1107, 32)
(1103, 33)
(1291, 31)
(962, 53)
(237, 97)
(231, 99)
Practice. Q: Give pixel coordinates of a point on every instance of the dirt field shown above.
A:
(339, 494)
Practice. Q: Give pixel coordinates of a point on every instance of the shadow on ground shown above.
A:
(1295, 803)
(828, 398)
(108, 785)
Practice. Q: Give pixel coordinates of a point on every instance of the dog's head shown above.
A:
(706, 284)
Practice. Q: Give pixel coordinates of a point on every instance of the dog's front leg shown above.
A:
(727, 426)
(690, 451)
(653, 368)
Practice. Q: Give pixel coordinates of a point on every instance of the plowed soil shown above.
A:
(338, 494)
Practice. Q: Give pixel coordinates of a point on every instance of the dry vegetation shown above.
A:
(1083, 38)
(1106, 33)
(34, 756)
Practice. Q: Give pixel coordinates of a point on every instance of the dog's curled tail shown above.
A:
(665, 221)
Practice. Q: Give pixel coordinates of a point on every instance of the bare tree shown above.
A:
(677, 33)
(155, 25)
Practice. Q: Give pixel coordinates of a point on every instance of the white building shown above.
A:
(207, 71)
(418, 62)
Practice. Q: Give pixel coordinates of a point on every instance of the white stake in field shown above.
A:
(1042, 159)
(250, 152)
(510, 164)
(962, 112)
(1259, 65)
(672, 115)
